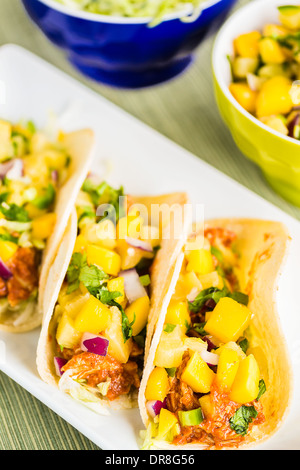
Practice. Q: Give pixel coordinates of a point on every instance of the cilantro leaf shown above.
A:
(262, 389)
(14, 212)
(242, 418)
(169, 328)
(8, 238)
(45, 200)
(216, 294)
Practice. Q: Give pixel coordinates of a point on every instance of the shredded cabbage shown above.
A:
(155, 9)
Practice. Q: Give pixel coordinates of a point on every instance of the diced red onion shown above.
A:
(59, 362)
(54, 176)
(13, 169)
(132, 285)
(210, 344)
(5, 273)
(210, 358)
(140, 244)
(295, 122)
(94, 344)
(154, 407)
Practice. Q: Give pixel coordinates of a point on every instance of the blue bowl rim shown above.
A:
(118, 19)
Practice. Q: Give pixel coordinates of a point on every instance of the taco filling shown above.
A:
(100, 318)
(32, 169)
(205, 385)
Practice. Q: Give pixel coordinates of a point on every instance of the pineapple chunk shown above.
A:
(211, 280)
(178, 314)
(190, 282)
(206, 406)
(93, 317)
(138, 312)
(7, 250)
(228, 320)
(195, 344)
(103, 234)
(117, 348)
(198, 375)
(117, 285)
(66, 335)
(157, 385)
(170, 349)
(73, 305)
(200, 261)
(289, 15)
(227, 368)
(167, 421)
(130, 256)
(233, 346)
(42, 227)
(106, 259)
(245, 387)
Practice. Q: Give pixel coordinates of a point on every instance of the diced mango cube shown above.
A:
(212, 279)
(244, 95)
(117, 285)
(67, 335)
(150, 234)
(105, 259)
(206, 405)
(245, 387)
(198, 375)
(42, 227)
(117, 348)
(200, 261)
(178, 314)
(246, 45)
(233, 346)
(170, 349)
(93, 317)
(80, 244)
(271, 52)
(7, 250)
(227, 368)
(167, 421)
(138, 312)
(274, 97)
(74, 303)
(157, 385)
(228, 320)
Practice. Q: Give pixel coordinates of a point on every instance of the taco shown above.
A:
(93, 335)
(39, 180)
(218, 373)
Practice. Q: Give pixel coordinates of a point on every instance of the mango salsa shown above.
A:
(7, 250)
(200, 261)
(245, 387)
(265, 72)
(178, 314)
(138, 312)
(228, 320)
(93, 317)
(105, 259)
(227, 368)
(157, 385)
(42, 227)
(198, 375)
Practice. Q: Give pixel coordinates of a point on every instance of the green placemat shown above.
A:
(183, 110)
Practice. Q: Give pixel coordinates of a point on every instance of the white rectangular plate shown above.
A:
(131, 154)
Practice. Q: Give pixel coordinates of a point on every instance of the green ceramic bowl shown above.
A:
(278, 156)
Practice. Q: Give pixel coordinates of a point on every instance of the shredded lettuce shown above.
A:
(156, 9)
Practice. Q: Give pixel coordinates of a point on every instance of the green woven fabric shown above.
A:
(185, 111)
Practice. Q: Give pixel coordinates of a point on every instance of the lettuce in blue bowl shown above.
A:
(128, 43)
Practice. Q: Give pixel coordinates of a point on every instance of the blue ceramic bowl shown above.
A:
(126, 52)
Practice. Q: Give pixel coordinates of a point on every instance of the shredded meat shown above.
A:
(24, 267)
(181, 397)
(96, 369)
(226, 237)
